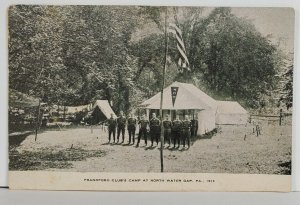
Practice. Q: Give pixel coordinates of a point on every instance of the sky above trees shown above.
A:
(278, 22)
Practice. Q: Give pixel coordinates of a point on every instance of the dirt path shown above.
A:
(226, 152)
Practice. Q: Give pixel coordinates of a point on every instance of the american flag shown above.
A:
(183, 61)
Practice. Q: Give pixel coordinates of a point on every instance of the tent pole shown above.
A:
(37, 120)
(64, 113)
(162, 95)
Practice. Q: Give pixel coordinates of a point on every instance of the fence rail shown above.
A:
(270, 118)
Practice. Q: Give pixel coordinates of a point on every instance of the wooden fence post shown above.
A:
(280, 117)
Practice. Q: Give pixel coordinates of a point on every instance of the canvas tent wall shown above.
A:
(190, 99)
(75, 109)
(101, 111)
(231, 113)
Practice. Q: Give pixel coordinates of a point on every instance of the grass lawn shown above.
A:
(233, 149)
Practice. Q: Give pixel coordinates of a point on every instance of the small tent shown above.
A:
(100, 111)
(231, 113)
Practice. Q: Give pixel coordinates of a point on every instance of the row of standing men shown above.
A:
(176, 131)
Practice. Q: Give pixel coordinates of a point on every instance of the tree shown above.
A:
(73, 55)
(287, 87)
(235, 61)
(35, 59)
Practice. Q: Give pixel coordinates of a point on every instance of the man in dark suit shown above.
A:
(112, 123)
(121, 121)
(144, 123)
(131, 126)
(185, 131)
(154, 129)
(167, 123)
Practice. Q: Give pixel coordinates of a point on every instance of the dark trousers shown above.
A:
(167, 136)
(194, 131)
(176, 138)
(155, 134)
(131, 133)
(121, 129)
(186, 137)
(142, 132)
(113, 132)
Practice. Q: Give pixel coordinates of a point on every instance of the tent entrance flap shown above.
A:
(101, 111)
(98, 115)
(191, 113)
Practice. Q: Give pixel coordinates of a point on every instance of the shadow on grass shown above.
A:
(49, 158)
(183, 149)
(127, 144)
(15, 139)
(173, 148)
(207, 135)
(285, 168)
(150, 148)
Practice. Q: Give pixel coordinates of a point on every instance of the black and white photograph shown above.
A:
(148, 89)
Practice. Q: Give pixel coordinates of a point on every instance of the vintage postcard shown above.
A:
(145, 98)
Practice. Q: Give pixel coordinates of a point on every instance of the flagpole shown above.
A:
(162, 95)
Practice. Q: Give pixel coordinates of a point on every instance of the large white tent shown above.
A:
(191, 99)
(188, 97)
(231, 113)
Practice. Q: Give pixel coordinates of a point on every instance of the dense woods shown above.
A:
(73, 55)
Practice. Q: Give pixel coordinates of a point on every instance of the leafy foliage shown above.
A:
(73, 55)
(287, 90)
(234, 59)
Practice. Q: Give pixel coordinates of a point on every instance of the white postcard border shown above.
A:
(97, 181)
